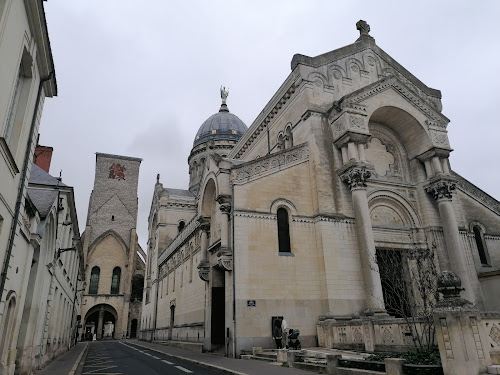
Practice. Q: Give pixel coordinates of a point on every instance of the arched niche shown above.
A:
(389, 209)
(387, 153)
(207, 206)
(409, 130)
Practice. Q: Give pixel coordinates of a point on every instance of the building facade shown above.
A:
(346, 165)
(51, 310)
(26, 79)
(111, 306)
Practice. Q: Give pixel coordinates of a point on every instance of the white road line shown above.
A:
(167, 362)
(184, 369)
(154, 357)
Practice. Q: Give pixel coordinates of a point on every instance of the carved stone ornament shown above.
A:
(204, 270)
(225, 208)
(225, 259)
(355, 175)
(449, 286)
(441, 187)
(204, 223)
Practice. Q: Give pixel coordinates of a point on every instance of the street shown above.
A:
(124, 358)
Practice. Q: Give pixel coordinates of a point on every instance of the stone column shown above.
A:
(441, 188)
(355, 175)
(100, 324)
(225, 255)
(204, 265)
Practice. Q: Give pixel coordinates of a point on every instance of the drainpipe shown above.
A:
(20, 193)
(234, 269)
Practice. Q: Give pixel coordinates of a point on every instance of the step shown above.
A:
(494, 369)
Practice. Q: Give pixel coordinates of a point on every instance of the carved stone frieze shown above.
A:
(204, 270)
(349, 122)
(441, 187)
(271, 163)
(225, 259)
(355, 175)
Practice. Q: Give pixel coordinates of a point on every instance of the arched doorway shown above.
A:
(8, 330)
(101, 321)
(133, 329)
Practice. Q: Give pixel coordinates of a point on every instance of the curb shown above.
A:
(204, 364)
(78, 366)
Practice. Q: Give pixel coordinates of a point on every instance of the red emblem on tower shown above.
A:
(116, 171)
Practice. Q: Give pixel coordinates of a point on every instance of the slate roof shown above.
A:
(43, 199)
(40, 177)
(179, 193)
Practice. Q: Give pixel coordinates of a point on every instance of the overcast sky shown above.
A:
(138, 78)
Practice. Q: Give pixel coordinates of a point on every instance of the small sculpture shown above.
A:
(224, 94)
(363, 27)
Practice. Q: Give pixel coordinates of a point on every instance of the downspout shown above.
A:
(234, 269)
(22, 181)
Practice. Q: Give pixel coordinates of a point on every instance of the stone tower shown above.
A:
(112, 307)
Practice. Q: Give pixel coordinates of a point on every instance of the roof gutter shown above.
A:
(22, 184)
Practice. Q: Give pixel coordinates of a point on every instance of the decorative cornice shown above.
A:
(269, 164)
(477, 194)
(355, 175)
(248, 138)
(441, 187)
(181, 238)
(361, 95)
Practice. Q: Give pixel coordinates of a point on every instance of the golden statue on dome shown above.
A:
(224, 94)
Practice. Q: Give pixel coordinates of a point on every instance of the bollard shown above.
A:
(290, 357)
(282, 356)
(256, 350)
(394, 366)
(332, 363)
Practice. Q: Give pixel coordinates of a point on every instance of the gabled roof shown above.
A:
(361, 44)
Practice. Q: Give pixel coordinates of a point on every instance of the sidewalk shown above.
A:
(67, 363)
(228, 365)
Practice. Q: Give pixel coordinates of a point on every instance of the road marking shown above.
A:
(167, 362)
(184, 369)
(154, 357)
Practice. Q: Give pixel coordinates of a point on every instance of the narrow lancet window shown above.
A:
(115, 280)
(480, 245)
(283, 231)
(94, 280)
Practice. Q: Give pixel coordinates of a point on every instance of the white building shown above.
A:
(26, 79)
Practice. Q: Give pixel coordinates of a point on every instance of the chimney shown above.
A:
(43, 156)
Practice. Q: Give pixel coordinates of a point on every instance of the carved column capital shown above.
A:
(225, 259)
(355, 175)
(204, 223)
(225, 208)
(441, 187)
(204, 270)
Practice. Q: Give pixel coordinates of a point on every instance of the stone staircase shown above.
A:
(267, 355)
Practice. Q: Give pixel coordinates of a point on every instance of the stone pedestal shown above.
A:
(462, 340)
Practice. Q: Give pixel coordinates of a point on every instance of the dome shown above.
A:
(221, 126)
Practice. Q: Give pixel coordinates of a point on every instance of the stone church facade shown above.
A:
(111, 306)
(348, 162)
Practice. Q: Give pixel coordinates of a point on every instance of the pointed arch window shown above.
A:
(94, 280)
(283, 231)
(115, 280)
(481, 247)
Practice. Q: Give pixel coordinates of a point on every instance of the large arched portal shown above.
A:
(100, 321)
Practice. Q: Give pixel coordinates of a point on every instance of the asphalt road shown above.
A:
(123, 358)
